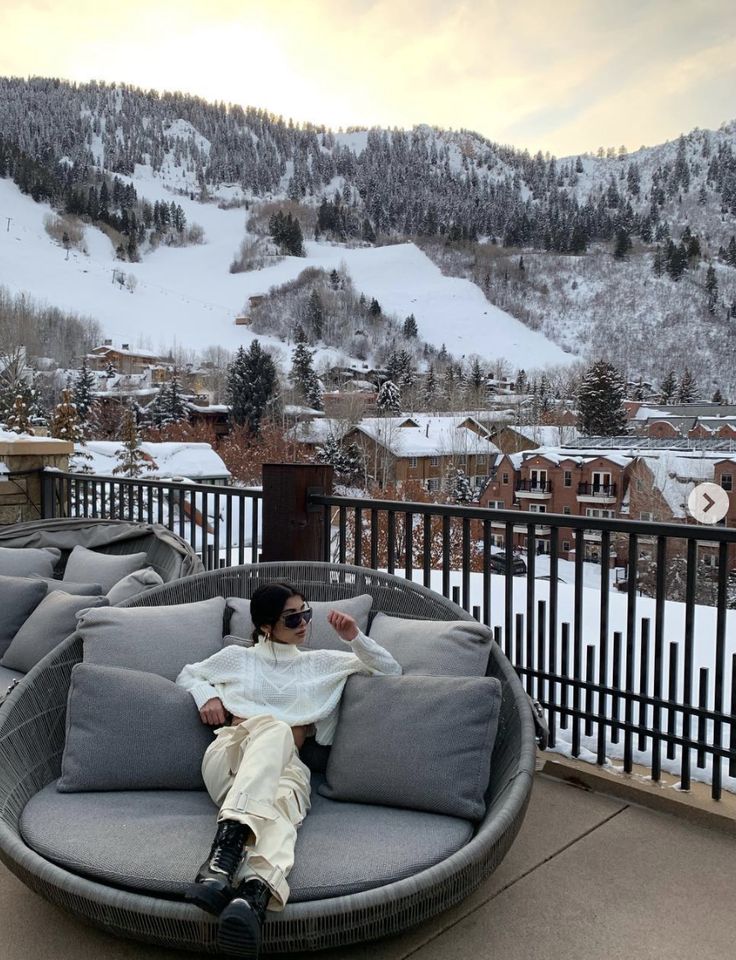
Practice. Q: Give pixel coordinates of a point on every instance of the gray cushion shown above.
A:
(91, 566)
(418, 742)
(159, 640)
(454, 648)
(53, 620)
(154, 841)
(19, 597)
(25, 561)
(136, 582)
(321, 635)
(127, 730)
(69, 586)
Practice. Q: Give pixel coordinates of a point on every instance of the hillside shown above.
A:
(476, 208)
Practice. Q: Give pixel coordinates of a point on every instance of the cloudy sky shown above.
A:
(559, 75)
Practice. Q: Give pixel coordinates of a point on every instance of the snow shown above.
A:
(426, 436)
(674, 631)
(196, 461)
(186, 298)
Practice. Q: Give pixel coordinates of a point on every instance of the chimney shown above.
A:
(108, 343)
(126, 346)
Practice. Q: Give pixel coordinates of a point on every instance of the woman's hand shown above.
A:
(343, 624)
(213, 712)
(300, 734)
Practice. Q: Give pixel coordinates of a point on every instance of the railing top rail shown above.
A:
(157, 484)
(689, 531)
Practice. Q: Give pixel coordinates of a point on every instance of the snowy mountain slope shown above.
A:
(185, 297)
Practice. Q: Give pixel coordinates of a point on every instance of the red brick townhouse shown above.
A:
(554, 481)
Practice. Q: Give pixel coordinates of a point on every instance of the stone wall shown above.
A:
(20, 477)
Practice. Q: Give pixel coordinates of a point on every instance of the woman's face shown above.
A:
(281, 632)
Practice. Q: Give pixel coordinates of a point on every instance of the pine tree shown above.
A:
(251, 386)
(304, 378)
(711, 289)
(622, 245)
(458, 486)
(430, 389)
(687, 389)
(315, 314)
(410, 329)
(131, 460)
(19, 420)
(668, 387)
(347, 461)
(110, 370)
(388, 401)
(375, 308)
(600, 399)
(65, 421)
(717, 397)
(83, 387)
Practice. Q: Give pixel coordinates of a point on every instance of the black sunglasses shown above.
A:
(292, 620)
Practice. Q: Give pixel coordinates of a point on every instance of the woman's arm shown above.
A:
(373, 656)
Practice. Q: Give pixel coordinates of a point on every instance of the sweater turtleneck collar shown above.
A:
(277, 651)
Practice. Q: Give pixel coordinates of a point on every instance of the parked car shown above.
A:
(498, 564)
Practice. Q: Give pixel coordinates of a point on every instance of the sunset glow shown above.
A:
(565, 77)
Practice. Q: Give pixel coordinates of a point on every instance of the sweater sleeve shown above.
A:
(198, 678)
(375, 657)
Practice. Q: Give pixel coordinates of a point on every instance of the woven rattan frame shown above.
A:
(31, 743)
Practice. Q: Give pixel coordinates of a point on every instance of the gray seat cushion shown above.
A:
(20, 562)
(453, 648)
(92, 566)
(155, 840)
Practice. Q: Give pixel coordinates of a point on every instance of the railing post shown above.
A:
(292, 530)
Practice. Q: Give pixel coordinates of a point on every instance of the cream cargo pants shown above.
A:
(253, 773)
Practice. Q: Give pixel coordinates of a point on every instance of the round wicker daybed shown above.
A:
(32, 728)
(169, 555)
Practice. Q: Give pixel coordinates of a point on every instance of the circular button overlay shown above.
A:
(708, 503)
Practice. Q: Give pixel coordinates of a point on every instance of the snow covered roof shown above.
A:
(422, 436)
(675, 477)
(547, 435)
(123, 351)
(293, 410)
(211, 408)
(197, 461)
(317, 430)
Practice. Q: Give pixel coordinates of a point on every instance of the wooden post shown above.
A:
(291, 529)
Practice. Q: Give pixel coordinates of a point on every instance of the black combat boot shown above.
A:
(239, 928)
(213, 887)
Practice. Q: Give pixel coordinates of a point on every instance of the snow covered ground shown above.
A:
(186, 298)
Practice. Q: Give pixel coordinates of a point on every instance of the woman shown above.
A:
(274, 696)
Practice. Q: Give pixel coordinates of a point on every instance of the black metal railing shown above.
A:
(534, 486)
(596, 489)
(222, 524)
(641, 668)
(646, 679)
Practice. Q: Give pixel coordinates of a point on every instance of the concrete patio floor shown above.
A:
(589, 877)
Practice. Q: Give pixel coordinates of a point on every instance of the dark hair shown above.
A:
(267, 603)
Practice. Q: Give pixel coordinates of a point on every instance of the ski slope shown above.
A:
(186, 299)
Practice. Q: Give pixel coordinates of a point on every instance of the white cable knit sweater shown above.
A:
(293, 685)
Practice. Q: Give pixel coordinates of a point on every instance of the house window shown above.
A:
(480, 459)
(461, 460)
(504, 478)
(565, 546)
(496, 504)
(597, 513)
(727, 481)
(646, 515)
(433, 484)
(537, 508)
(434, 461)
(567, 481)
(412, 461)
(567, 511)
(710, 559)
(601, 480)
